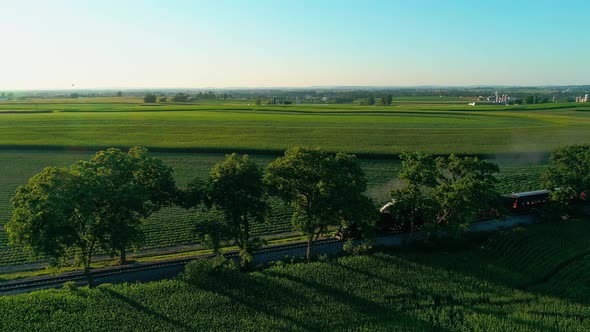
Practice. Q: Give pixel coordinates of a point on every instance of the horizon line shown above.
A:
(323, 87)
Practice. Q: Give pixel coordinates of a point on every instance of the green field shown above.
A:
(436, 128)
(61, 130)
(533, 279)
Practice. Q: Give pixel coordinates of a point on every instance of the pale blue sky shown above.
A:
(149, 43)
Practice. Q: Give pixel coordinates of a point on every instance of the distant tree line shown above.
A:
(182, 97)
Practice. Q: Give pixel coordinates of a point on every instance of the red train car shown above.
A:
(523, 202)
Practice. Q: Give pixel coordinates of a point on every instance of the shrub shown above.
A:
(208, 272)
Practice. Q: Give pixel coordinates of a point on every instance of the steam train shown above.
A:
(516, 203)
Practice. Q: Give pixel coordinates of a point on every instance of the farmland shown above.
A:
(435, 128)
(518, 280)
(48, 132)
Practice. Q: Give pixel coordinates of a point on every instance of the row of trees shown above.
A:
(324, 190)
(100, 204)
(181, 97)
(384, 101)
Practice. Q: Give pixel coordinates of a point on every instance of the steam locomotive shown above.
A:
(516, 203)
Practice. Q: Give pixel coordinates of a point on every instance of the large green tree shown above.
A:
(414, 204)
(235, 187)
(568, 175)
(466, 190)
(52, 215)
(129, 188)
(150, 98)
(446, 192)
(324, 189)
(94, 204)
(569, 169)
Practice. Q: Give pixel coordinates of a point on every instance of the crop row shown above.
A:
(409, 291)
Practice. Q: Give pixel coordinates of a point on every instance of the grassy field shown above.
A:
(436, 128)
(533, 279)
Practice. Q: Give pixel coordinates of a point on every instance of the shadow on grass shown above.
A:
(483, 305)
(141, 308)
(305, 305)
(462, 300)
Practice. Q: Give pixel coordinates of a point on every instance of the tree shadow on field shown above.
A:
(141, 308)
(300, 305)
(370, 312)
(493, 299)
(491, 269)
(265, 297)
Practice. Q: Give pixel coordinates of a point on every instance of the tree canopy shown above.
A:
(150, 98)
(130, 187)
(568, 176)
(235, 187)
(52, 216)
(324, 189)
(448, 192)
(93, 204)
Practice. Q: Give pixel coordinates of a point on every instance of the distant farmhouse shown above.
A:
(492, 100)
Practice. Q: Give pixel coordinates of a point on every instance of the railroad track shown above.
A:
(79, 277)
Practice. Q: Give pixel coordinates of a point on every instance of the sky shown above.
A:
(85, 44)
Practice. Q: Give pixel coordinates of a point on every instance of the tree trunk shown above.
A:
(123, 257)
(87, 271)
(308, 253)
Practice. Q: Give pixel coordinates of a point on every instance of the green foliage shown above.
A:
(418, 169)
(172, 226)
(568, 175)
(323, 189)
(235, 187)
(494, 288)
(150, 98)
(569, 169)
(386, 100)
(210, 272)
(70, 286)
(467, 188)
(446, 192)
(45, 215)
(180, 98)
(91, 205)
(127, 188)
